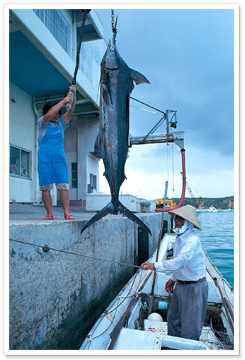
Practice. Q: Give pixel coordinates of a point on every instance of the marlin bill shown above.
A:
(116, 84)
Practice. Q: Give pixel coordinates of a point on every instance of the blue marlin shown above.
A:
(116, 84)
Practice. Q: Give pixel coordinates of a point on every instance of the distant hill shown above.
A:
(218, 203)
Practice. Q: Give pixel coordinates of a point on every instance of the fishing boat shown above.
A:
(210, 209)
(137, 318)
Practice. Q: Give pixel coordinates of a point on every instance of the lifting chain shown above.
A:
(113, 27)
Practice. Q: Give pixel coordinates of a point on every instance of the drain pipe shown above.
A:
(35, 155)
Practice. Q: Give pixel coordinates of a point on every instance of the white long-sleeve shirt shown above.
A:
(188, 262)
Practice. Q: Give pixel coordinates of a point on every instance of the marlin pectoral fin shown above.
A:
(97, 147)
(122, 209)
(138, 78)
(107, 90)
(107, 84)
(108, 209)
(110, 95)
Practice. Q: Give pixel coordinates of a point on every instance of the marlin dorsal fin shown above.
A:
(138, 78)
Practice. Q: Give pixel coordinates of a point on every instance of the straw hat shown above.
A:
(187, 212)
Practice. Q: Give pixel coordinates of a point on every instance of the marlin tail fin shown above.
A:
(131, 216)
(108, 209)
(115, 209)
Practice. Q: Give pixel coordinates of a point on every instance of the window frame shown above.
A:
(57, 24)
(74, 178)
(19, 176)
(93, 180)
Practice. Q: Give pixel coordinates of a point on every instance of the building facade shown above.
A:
(42, 59)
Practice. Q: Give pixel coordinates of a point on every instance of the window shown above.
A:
(93, 181)
(74, 175)
(19, 164)
(57, 24)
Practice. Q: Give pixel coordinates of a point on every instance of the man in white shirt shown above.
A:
(188, 307)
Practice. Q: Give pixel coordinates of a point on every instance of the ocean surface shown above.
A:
(217, 236)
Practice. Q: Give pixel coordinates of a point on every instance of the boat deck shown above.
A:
(159, 290)
(155, 334)
(125, 324)
(155, 338)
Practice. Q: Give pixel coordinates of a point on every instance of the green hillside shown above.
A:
(218, 203)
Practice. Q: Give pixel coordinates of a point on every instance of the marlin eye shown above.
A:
(112, 50)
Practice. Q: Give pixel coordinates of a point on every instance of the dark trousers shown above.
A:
(187, 310)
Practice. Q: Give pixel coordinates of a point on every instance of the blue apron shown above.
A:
(52, 165)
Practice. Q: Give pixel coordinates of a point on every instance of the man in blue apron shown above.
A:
(188, 306)
(52, 165)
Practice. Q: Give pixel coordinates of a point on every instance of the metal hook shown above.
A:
(46, 248)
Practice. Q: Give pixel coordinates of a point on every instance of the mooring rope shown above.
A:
(46, 248)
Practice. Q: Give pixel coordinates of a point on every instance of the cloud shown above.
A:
(188, 57)
(150, 166)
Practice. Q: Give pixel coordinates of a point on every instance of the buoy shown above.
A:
(163, 305)
(155, 317)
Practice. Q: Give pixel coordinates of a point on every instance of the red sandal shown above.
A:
(48, 217)
(69, 217)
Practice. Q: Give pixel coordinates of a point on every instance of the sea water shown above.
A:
(217, 236)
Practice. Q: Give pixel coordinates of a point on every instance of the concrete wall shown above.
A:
(22, 133)
(22, 118)
(82, 132)
(70, 146)
(39, 35)
(91, 55)
(92, 169)
(55, 297)
(87, 132)
(78, 143)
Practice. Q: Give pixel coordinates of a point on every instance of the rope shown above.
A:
(136, 107)
(46, 248)
(112, 310)
(148, 106)
(85, 12)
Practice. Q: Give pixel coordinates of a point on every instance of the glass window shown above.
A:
(57, 24)
(14, 160)
(93, 181)
(25, 161)
(74, 175)
(19, 162)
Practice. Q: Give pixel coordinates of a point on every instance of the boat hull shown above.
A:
(124, 324)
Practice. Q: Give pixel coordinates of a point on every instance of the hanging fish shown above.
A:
(116, 84)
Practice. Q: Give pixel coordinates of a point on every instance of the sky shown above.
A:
(187, 54)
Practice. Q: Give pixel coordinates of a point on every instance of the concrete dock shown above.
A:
(21, 213)
(56, 296)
